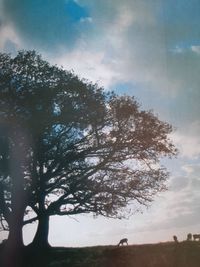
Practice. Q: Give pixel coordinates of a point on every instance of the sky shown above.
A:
(146, 48)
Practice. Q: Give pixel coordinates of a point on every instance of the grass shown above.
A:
(184, 254)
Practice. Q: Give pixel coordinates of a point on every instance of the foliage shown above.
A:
(77, 148)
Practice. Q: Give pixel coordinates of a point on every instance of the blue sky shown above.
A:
(149, 49)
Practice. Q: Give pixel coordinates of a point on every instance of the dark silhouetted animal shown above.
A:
(196, 236)
(175, 239)
(123, 241)
(189, 237)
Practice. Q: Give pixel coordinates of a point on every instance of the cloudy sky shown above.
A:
(146, 48)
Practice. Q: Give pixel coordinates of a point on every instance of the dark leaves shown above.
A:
(87, 150)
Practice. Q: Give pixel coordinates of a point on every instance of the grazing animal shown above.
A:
(196, 236)
(122, 241)
(175, 239)
(189, 237)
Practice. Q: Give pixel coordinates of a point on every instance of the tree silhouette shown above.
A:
(73, 147)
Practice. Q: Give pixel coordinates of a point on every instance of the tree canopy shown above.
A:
(68, 147)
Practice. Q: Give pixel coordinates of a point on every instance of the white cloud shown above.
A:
(127, 43)
(178, 183)
(130, 45)
(119, 52)
(87, 19)
(177, 49)
(176, 208)
(188, 140)
(192, 169)
(88, 64)
(195, 48)
(7, 33)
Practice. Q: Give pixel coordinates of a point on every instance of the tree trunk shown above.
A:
(41, 237)
(12, 255)
(15, 233)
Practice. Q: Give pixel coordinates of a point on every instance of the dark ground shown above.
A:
(184, 254)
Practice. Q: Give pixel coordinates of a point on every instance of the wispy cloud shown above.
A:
(189, 140)
(195, 48)
(179, 207)
(8, 35)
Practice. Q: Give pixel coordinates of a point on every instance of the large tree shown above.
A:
(74, 148)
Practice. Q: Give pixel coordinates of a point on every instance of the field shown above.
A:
(184, 254)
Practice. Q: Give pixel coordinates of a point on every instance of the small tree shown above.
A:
(83, 150)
